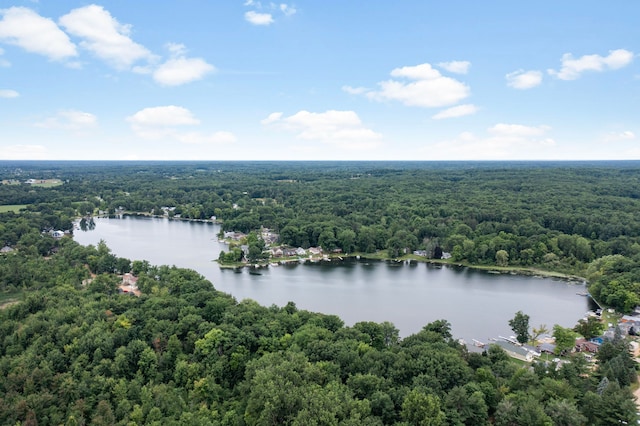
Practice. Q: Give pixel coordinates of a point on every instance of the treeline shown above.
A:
(75, 352)
(554, 216)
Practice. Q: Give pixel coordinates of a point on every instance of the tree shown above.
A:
(537, 332)
(422, 409)
(564, 412)
(589, 328)
(346, 240)
(502, 258)
(520, 326)
(565, 339)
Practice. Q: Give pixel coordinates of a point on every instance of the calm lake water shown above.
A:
(477, 304)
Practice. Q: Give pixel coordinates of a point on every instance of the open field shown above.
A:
(46, 183)
(12, 208)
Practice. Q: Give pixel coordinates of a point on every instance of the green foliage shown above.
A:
(422, 409)
(590, 327)
(565, 339)
(520, 326)
(73, 351)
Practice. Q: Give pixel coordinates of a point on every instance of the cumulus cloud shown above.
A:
(524, 79)
(457, 67)
(341, 128)
(264, 14)
(104, 36)
(69, 120)
(272, 118)
(287, 10)
(177, 71)
(421, 86)
(257, 18)
(24, 28)
(456, 111)
(163, 116)
(165, 122)
(23, 152)
(573, 68)
(8, 93)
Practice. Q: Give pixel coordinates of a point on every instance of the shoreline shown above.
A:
(513, 270)
(503, 270)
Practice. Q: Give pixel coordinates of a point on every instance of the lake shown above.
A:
(478, 304)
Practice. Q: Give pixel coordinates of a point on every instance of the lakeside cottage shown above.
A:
(129, 285)
(519, 352)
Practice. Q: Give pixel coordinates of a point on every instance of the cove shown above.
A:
(478, 304)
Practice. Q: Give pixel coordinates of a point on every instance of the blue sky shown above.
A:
(310, 80)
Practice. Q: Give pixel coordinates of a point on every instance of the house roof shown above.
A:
(510, 347)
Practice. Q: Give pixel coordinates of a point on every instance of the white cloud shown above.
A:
(456, 111)
(256, 18)
(264, 14)
(163, 116)
(341, 128)
(355, 90)
(627, 135)
(272, 118)
(156, 123)
(457, 67)
(8, 93)
(573, 68)
(524, 79)
(104, 36)
(25, 28)
(417, 72)
(69, 120)
(176, 49)
(287, 10)
(23, 152)
(177, 71)
(429, 89)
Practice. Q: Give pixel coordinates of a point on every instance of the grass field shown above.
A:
(12, 208)
(48, 183)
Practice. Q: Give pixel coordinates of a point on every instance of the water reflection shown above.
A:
(477, 304)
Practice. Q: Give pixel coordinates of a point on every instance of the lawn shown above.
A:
(48, 183)
(12, 208)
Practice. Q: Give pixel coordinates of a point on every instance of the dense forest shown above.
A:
(571, 217)
(74, 351)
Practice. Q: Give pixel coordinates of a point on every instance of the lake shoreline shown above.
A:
(512, 270)
(502, 270)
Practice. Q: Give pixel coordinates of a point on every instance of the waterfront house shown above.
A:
(516, 351)
(288, 252)
(583, 345)
(547, 347)
(315, 251)
(129, 285)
